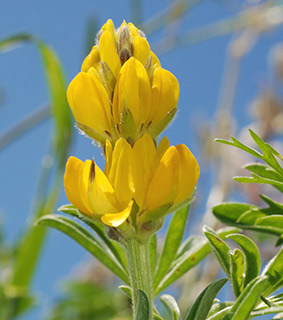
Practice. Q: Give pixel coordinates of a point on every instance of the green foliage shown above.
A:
(30, 244)
(172, 242)
(247, 216)
(143, 312)
(242, 268)
(83, 237)
(203, 303)
(171, 306)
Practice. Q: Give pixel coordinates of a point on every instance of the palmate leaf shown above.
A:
(267, 151)
(83, 237)
(190, 254)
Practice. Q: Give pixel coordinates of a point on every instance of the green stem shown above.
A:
(139, 271)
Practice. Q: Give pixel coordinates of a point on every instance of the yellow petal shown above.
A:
(165, 94)
(134, 31)
(141, 49)
(164, 144)
(108, 52)
(132, 92)
(89, 101)
(109, 26)
(188, 173)
(155, 60)
(120, 175)
(108, 157)
(116, 219)
(91, 60)
(119, 30)
(162, 189)
(101, 194)
(145, 162)
(74, 193)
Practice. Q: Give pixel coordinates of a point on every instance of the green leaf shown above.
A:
(30, 244)
(229, 213)
(127, 290)
(171, 306)
(264, 171)
(273, 222)
(238, 144)
(274, 206)
(203, 303)
(274, 272)
(85, 239)
(220, 314)
(220, 249)
(256, 179)
(267, 151)
(245, 303)
(189, 258)
(219, 306)
(249, 217)
(59, 105)
(237, 269)
(99, 229)
(17, 40)
(142, 306)
(152, 248)
(252, 256)
(172, 242)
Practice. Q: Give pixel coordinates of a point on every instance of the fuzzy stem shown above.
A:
(139, 271)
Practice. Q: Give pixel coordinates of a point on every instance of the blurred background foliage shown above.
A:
(228, 57)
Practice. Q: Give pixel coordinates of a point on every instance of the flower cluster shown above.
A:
(122, 89)
(123, 99)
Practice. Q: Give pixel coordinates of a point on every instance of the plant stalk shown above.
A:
(139, 272)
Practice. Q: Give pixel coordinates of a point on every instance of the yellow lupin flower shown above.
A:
(122, 91)
(102, 196)
(149, 176)
(163, 176)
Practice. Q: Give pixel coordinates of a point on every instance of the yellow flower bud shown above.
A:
(90, 105)
(127, 80)
(132, 92)
(165, 94)
(92, 60)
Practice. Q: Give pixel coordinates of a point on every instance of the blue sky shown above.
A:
(62, 24)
